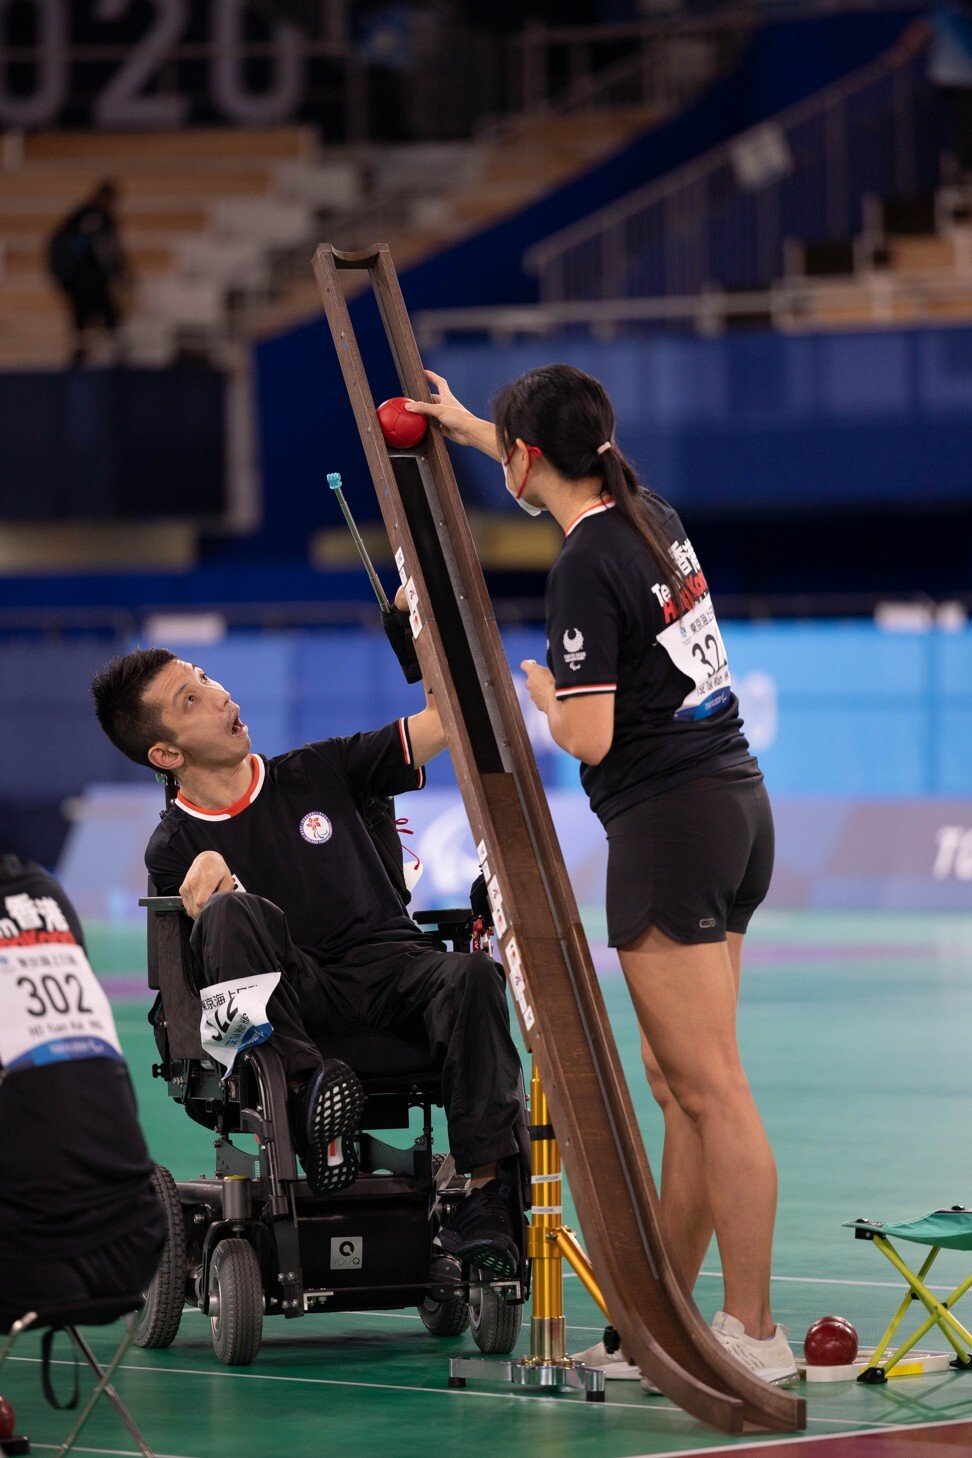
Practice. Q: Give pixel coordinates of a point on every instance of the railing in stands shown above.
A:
(657, 66)
(564, 68)
(868, 300)
(722, 221)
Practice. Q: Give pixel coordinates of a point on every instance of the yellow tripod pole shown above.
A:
(549, 1244)
(548, 1327)
(549, 1241)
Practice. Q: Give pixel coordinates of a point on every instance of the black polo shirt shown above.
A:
(612, 628)
(298, 838)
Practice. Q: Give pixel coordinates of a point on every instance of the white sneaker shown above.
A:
(771, 1359)
(614, 1365)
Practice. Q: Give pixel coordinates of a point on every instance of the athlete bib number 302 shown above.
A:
(52, 1008)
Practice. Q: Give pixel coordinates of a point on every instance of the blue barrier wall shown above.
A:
(100, 444)
(740, 432)
(763, 422)
(837, 708)
(863, 736)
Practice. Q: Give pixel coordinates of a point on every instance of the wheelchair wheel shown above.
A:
(494, 1323)
(236, 1291)
(444, 1318)
(166, 1294)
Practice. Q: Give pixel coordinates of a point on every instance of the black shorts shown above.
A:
(695, 861)
(124, 1264)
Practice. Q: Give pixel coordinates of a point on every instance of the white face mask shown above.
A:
(524, 505)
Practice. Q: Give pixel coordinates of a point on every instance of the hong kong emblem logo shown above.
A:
(316, 828)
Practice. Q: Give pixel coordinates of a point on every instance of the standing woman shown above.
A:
(638, 689)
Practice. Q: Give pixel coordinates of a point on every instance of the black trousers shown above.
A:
(125, 1264)
(453, 1002)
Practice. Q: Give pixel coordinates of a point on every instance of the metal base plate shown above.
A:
(529, 1372)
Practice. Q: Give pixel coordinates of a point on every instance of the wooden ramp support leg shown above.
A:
(545, 952)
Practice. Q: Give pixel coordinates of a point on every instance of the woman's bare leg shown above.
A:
(685, 999)
(686, 1216)
(685, 1209)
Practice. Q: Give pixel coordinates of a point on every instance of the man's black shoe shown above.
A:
(480, 1230)
(326, 1117)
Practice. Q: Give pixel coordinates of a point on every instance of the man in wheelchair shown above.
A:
(274, 861)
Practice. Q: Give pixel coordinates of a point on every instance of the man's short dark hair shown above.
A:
(119, 695)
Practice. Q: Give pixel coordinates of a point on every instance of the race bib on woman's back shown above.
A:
(695, 646)
(52, 1008)
(692, 639)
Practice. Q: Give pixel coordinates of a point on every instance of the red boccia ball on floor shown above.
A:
(7, 1418)
(399, 426)
(830, 1342)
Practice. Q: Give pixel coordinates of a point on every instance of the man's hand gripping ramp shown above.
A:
(544, 948)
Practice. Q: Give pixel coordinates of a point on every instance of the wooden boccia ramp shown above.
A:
(544, 948)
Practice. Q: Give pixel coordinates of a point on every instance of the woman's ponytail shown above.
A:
(636, 507)
(569, 415)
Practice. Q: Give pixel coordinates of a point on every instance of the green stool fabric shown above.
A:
(948, 1229)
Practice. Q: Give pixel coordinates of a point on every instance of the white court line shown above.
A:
(386, 1315)
(510, 1396)
(821, 1438)
(809, 1281)
(118, 1452)
(534, 1393)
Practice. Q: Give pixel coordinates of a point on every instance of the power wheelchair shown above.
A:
(251, 1241)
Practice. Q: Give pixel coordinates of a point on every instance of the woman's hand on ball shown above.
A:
(453, 419)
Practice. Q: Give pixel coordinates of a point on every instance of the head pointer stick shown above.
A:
(394, 622)
(334, 481)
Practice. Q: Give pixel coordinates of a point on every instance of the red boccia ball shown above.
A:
(7, 1418)
(399, 426)
(830, 1342)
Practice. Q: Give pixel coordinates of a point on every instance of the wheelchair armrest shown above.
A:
(435, 918)
(453, 925)
(161, 904)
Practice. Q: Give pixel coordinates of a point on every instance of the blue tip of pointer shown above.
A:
(334, 480)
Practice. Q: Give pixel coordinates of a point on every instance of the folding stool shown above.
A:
(68, 1319)
(941, 1230)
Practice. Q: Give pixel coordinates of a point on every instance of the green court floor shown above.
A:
(855, 1030)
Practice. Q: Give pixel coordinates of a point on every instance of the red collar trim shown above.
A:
(254, 788)
(598, 506)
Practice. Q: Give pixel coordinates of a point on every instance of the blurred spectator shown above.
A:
(950, 69)
(87, 262)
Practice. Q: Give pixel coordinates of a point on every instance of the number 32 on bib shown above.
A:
(694, 644)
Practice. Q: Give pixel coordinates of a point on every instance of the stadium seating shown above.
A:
(911, 263)
(211, 217)
(201, 213)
